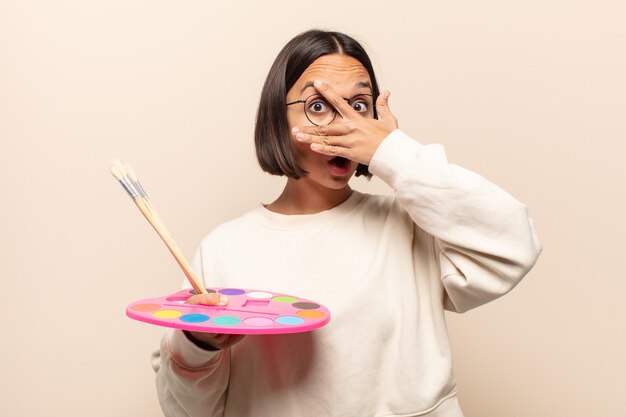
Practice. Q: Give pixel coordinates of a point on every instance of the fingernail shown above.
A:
(316, 146)
(300, 136)
(317, 83)
(295, 130)
(223, 300)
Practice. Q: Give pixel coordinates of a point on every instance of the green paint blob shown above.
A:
(285, 299)
(226, 320)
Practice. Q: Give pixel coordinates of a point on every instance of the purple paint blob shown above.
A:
(232, 291)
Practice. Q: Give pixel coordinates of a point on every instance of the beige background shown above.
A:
(530, 94)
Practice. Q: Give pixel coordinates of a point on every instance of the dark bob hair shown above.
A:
(271, 132)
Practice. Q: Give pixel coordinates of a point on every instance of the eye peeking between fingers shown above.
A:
(318, 106)
(362, 104)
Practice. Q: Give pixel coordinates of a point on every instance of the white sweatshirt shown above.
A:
(386, 267)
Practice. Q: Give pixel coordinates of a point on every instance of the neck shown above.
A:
(301, 197)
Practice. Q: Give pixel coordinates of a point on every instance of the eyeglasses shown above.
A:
(320, 112)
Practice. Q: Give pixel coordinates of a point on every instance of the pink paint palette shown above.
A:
(247, 312)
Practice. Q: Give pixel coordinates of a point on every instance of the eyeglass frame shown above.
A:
(333, 107)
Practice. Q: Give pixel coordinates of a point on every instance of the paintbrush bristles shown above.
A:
(130, 171)
(117, 173)
(137, 187)
(126, 176)
(117, 166)
(131, 174)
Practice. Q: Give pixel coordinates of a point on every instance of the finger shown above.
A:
(382, 106)
(208, 299)
(323, 140)
(335, 129)
(321, 130)
(331, 150)
(338, 102)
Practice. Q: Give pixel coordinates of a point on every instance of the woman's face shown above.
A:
(349, 78)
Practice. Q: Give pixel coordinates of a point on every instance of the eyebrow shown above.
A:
(360, 84)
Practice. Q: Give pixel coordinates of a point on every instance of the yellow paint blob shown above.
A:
(167, 314)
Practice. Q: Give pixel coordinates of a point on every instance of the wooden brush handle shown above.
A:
(171, 245)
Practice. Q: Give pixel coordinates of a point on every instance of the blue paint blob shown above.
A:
(194, 318)
(291, 320)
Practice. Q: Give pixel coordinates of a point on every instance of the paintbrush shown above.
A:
(126, 176)
(128, 170)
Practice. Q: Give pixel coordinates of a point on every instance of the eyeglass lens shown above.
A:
(320, 112)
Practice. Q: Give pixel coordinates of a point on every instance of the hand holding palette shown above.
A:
(247, 312)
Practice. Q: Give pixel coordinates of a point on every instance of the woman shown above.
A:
(386, 267)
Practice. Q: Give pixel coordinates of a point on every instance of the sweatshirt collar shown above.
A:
(304, 221)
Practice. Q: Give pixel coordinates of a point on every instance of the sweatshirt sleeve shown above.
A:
(190, 381)
(485, 242)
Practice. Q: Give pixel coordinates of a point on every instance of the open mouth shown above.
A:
(339, 162)
(340, 166)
